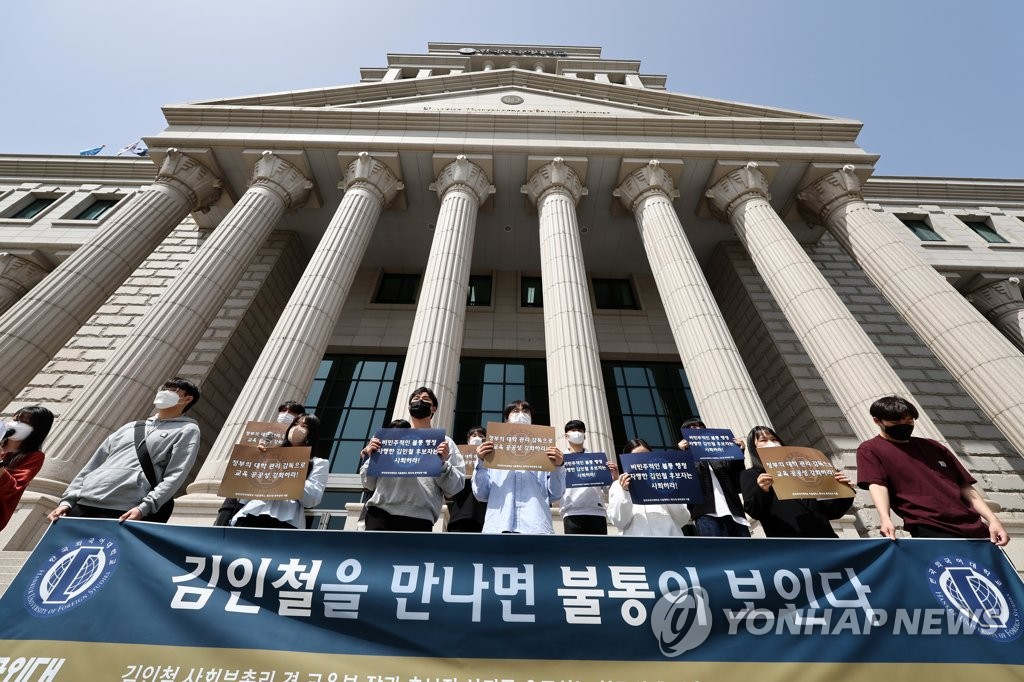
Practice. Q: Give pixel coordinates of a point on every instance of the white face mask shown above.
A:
(285, 417)
(519, 418)
(297, 436)
(576, 437)
(770, 444)
(476, 440)
(166, 399)
(21, 430)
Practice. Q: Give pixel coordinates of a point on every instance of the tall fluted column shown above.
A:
(1001, 302)
(38, 325)
(981, 359)
(721, 385)
(435, 344)
(17, 277)
(854, 370)
(159, 345)
(293, 352)
(575, 385)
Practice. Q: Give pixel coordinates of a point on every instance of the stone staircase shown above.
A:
(10, 563)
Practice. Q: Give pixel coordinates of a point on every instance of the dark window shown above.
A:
(397, 288)
(353, 396)
(486, 385)
(33, 209)
(616, 294)
(530, 293)
(922, 230)
(479, 290)
(648, 400)
(96, 209)
(985, 231)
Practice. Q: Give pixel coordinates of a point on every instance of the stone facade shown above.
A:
(749, 254)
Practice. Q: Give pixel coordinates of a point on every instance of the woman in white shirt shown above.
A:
(643, 519)
(304, 431)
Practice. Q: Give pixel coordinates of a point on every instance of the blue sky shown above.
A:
(937, 83)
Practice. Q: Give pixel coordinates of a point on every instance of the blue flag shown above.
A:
(92, 152)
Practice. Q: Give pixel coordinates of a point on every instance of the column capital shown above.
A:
(556, 175)
(372, 174)
(643, 182)
(463, 172)
(281, 177)
(823, 196)
(992, 297)
(23, 272)
(190, 177)
(735, 187)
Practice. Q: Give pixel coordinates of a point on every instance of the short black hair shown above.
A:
(630, 446)
(292, 407)
(190, 389)
(516, 405)
(398, 424)
(424, 389)
(41, 421)
(694, 423)
(892, 408)
(476, 430)
(575, 425)
(636, 443)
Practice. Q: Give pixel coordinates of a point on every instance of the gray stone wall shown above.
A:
(981, 447)
(791, 389)
(800, 404)
(224, 357)
(62, 378)
(221, 361)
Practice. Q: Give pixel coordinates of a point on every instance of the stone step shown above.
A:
(10, 564)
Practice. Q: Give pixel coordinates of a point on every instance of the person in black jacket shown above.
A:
(466, 513)
(720, 513)
(805, 518)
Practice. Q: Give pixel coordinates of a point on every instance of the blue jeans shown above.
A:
(720, 527)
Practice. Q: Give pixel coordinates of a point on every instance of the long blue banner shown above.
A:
(100, 600)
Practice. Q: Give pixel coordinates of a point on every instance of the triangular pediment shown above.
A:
(483, 92)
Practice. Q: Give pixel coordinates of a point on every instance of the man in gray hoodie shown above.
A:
(113, 484)
(412, 503)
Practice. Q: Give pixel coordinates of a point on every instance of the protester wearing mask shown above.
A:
(720, 512)
(786, 518)
(643, 520)
(304, 431)
(115, 482)
(518, 501)
(407, 502)
(921, 480)
(21, 438)
(289, 411)
(583, 509)
(466, 513)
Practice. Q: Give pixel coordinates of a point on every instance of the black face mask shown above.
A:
(899, 431)
(419, 409)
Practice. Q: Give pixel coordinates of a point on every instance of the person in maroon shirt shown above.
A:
(921, 480)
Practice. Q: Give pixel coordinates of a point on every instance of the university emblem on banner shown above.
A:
(974, 592)
(71, 577)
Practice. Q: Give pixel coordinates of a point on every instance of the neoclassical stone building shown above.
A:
(502, 222)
